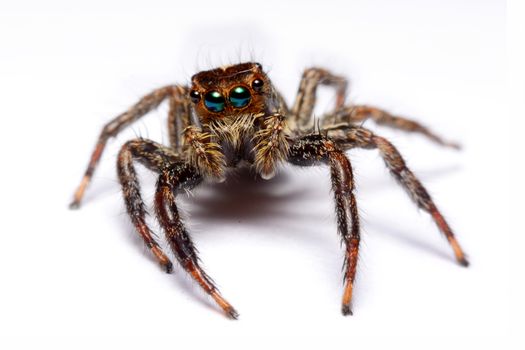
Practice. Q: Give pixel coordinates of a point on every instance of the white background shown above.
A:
(272, 247)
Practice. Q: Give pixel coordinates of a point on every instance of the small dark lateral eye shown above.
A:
(214, 101)
(240, 96)
(257, 85)
(195, 96)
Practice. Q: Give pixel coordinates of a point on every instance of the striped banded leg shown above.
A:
(306, 96)
(359, 114)
(314, 149)
(111, 129)
(362, 138)
(155, 157)
(181, 244)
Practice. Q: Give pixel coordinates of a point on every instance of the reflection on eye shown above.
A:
(240, 96)
(214, 101)
(195, 96)
(257, 85)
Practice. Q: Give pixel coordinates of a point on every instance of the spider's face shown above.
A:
(229, 91)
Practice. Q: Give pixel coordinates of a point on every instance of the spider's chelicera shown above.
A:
(232, 116)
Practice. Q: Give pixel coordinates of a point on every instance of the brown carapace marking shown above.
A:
(233, 116)
(223, 80)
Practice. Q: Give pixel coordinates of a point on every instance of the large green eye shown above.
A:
(214, 101)
(240, 96)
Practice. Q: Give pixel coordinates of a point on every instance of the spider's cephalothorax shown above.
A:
(237, 119)
(232, 116)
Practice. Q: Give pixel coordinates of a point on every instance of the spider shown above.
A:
(233, 116)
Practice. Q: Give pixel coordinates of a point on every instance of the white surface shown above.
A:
(272, 247)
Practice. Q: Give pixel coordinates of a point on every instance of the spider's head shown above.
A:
(229, 91)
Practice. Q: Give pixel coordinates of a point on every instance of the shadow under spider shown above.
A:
(243, 196)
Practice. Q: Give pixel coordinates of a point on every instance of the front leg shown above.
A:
(312, 150)
(170, 181)
(156, 158)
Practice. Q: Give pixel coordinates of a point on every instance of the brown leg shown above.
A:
(343, 187)
(282, 106)
(363, 138)
(179, 117)
(359, 114)
(111, 129)
(176, 234)
(310, 150)
(156, 157)
(306, 96)
(276, 102)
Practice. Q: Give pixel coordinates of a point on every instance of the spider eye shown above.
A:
(214, 101)
(195, 96)
(257, 85)
(240, 96)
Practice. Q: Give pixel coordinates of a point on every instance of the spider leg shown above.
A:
(276, 102)
(314, 149)
(111, 129)
(155, 157)
(179, 117)
(306, 96)
(360, 113)
(281, 103)
(181, 244)
(363, 138)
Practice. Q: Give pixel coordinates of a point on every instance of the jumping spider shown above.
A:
(232, 116)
